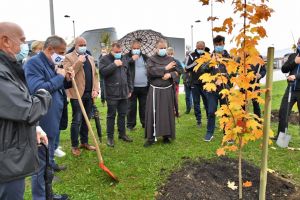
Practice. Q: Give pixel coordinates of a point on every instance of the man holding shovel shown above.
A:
(87, 79)
(292, 66)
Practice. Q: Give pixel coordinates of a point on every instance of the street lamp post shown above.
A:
(52, 17)
(73, 21)
(192, 34)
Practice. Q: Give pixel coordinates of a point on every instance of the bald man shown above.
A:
(88, 85)
(19, 114)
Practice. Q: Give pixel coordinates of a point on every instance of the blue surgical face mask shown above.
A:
(298, 47)
(162, 52)
(200, 51)
(219, 49)
(118, 55)
(82, 50)
(24, 50)
(136, 51)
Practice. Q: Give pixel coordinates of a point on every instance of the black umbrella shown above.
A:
(148, 39)
(48, 175)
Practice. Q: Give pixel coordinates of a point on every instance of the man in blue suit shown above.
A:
(44, 71)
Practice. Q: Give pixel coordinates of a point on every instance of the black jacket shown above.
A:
(220, 69)
(194, 75)
(19, 113)
(117, 80)
(262, 72)
(131, 64)
(293, 69)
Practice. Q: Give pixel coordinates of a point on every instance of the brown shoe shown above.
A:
(88, 147)
(76, 151)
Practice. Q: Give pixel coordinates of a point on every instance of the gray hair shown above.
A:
(161, 40)
(201, 42)
(54, 41)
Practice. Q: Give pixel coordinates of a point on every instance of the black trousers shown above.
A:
(78, 125)
(13, 190)
(197, 92)
(256, 108)
(138, 94)
(295, 98)
(114, 106)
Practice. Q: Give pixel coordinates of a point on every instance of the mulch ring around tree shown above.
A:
(293, 119)
(207, 180)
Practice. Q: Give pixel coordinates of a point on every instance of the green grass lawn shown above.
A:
(142, 170)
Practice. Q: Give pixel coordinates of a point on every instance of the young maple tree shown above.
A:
(238, 123)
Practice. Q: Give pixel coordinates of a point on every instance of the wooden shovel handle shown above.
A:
(87, 121)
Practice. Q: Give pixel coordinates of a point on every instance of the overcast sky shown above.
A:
(172, 18)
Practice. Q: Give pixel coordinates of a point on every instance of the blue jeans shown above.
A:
(56, 143)
(213, 98)
(197, 91)
(188, 97)
(13, 190)
(78, 125)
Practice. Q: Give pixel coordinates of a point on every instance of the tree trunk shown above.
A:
(240, 170)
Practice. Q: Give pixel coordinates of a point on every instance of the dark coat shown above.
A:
(40, 73)
(293, 69)
(117, 80)
(194, 75)
(161, 98)
(131, 64)
(19, 113)
(262, 72)
(156, 70)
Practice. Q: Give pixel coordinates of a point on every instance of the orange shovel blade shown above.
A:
(104, 168)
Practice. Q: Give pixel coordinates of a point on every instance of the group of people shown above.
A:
(34, 99)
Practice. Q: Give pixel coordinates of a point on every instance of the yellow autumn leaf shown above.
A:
(207, 78)
(210, 87)
(224, 93)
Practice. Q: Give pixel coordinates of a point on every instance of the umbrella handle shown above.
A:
(87, 121)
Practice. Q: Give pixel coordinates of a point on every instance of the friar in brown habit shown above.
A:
(160, 117)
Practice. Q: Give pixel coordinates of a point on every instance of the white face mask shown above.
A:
(57, 59)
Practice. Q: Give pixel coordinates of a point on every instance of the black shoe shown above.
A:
(187, 112)
(125, 138)
(110, 142)
(130, 128)
(199, 124)
(274, 138)
(58, 168)
(166, 140)
(60, 197)
(148, 143)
